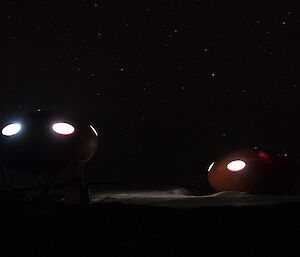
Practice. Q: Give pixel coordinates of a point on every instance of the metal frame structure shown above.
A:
(50, 182)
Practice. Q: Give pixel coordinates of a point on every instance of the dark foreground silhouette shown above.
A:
(118, 229)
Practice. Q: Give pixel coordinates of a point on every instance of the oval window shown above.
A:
(63, 128)
(94, 130)
(236, 165)
(210, 166)
(11, 129)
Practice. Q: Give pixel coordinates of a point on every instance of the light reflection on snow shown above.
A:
(181, 198)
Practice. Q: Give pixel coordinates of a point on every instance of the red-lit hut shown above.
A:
(254, 171)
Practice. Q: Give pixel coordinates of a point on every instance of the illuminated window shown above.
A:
(94, 130)
(63, 128)
(11, 129)
(236, 165)
(210, 166)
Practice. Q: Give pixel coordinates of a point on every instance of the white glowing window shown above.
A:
(236, 165)
(94, 130)
(11, 129)
(63, 128)
(210, 166)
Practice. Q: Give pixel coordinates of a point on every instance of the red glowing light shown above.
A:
(263, 155)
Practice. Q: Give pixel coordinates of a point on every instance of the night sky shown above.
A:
(169, 85)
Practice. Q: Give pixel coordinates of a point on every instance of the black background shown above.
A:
(169, 85)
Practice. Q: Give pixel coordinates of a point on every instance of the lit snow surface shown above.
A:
(182, 199)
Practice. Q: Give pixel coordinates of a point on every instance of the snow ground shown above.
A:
(182, 199)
